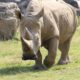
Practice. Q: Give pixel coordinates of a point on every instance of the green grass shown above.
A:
(13, 68)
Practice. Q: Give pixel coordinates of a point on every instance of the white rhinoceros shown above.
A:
(50, 24)
(9, 20)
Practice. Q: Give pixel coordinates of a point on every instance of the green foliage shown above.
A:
(13, 68)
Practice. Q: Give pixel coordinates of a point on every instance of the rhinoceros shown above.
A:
(9, 20)
(22, 4)
(50, 24)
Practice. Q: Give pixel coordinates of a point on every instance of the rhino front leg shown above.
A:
(52, 51)
(38, 62)
(64, 48)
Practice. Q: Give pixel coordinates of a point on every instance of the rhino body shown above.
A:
(9, 21)
(50, 24)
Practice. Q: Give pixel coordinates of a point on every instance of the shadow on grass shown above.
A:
(16, 70)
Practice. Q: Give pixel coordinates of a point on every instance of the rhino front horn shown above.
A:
(28, 42)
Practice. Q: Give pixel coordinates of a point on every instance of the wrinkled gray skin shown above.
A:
(50, 24)
(9, 20)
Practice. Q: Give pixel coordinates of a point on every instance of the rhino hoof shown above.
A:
(48, 62)
(39, 67)
(62, 62)
(48, 65)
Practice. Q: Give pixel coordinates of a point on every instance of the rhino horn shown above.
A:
(28, 34)
(28, 42)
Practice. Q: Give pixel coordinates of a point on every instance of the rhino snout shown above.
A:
(29, 57)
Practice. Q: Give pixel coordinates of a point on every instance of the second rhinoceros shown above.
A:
(50, 24)
(9, 20)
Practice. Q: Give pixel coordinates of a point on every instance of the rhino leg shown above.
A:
(52, 51)
(64, 48)
(38, 62)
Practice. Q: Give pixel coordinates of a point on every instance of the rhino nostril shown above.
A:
(29, 57)
(35, 57)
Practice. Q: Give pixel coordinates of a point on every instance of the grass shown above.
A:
(13, 68)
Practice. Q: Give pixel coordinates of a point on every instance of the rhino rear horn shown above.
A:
(28, 34)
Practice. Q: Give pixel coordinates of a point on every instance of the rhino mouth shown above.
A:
(29, 57)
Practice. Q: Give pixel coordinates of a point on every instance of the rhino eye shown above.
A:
(30, 28)
(36, 35)
(25, 6)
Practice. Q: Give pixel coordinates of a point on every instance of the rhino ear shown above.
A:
(39, 14)
(18, 13)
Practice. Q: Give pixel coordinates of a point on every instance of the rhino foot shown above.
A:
(39, 67)
(48, 62)
(62, 62)
(5, 37)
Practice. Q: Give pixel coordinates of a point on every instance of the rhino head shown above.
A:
(30, 30)
(31, 42)
(31, 39)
